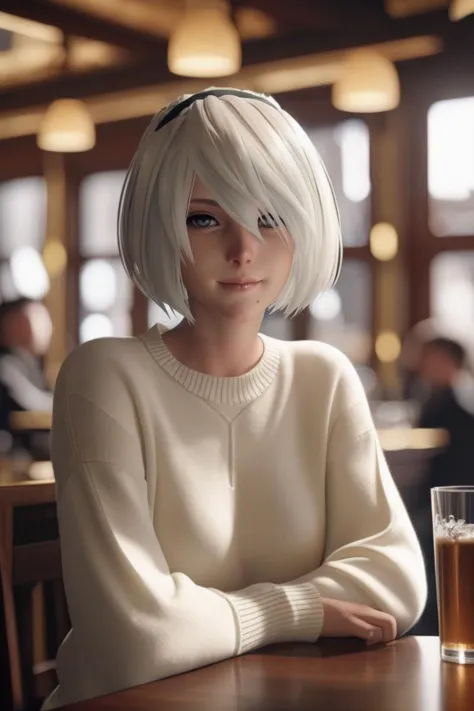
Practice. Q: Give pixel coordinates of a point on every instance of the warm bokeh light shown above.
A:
(54, 258)
(205, 43)
(458, 9)
(388, 347)
(383, 241)
(368, 84)
(66, 127)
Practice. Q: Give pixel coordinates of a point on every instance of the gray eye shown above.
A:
(201, 221)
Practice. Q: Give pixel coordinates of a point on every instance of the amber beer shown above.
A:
(453, 524)
(455, 565)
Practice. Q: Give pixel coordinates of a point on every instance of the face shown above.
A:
(234, 275)
(40, 328)
(436, 367)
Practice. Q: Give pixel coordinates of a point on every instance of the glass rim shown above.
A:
(459, 488)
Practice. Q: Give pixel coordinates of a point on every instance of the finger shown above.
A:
(386, 622)
(364, 630)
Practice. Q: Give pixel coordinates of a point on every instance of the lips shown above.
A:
(240, 282)
(240, 285)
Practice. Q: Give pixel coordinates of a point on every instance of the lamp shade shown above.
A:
(458, 9)
(368, 84)
(205, 44)
(66, 127)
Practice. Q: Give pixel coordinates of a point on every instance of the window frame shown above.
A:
(424, 246)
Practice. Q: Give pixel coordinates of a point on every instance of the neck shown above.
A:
(221, 349)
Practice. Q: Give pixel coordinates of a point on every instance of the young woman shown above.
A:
(219, 490)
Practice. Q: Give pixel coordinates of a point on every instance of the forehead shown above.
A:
(199, 191)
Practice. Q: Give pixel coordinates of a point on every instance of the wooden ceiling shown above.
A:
(132, 36)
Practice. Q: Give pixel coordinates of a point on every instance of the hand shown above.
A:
(349, 619)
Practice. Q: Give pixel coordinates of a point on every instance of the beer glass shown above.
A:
(453, 532)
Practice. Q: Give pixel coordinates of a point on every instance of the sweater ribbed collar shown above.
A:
(236, 390)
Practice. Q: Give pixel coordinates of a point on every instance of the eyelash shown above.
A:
(266, 222)
(192, 219)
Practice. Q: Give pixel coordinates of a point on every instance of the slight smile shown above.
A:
(240, 285)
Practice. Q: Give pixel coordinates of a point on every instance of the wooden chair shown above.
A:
(27, 511)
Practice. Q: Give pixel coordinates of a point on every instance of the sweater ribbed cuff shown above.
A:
(269, 614)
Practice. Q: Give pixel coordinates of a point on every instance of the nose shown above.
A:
(242, 245)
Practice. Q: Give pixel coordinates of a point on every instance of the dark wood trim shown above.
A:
(76, 22)
(114, 149)
(140, 73)
(36, 562)
(20, 158)
(455, 243)
(328, 15)
(72, 243)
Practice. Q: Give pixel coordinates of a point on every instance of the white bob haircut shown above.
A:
(254, 159)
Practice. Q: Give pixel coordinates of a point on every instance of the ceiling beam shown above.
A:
(82, 24)
(299, 44)
(141, 73)
(323, 15)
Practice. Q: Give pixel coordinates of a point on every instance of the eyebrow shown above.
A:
(205, 201)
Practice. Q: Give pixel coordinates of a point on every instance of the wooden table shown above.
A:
(333, 675)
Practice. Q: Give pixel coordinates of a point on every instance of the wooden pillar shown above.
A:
(55, 255)
(389, 204)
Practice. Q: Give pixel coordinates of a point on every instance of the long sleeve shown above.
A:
(372, 555)
(133, 620)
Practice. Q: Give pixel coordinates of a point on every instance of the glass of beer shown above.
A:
(453, 530)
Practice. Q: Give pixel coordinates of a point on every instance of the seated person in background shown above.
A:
(449, 406)
(220, 490)
(25, 335)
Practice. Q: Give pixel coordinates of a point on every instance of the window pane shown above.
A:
(22, 214)
(105, 299)
(345, 150)
(452, 289)
(98, 208)
(451, 167)
(343, 317)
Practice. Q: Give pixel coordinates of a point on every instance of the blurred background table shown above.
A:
(332, 675)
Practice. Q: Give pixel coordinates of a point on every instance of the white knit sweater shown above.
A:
(203, 517)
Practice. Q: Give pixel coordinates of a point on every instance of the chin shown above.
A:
(243, 315)
(239, 312)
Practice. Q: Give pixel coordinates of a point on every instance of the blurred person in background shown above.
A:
(449, 406)
(443, 368)
(25, 335)
(414, 388)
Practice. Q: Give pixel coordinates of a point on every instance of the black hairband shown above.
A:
(176, 110)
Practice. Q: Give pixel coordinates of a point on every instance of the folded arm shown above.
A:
(372, 555)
